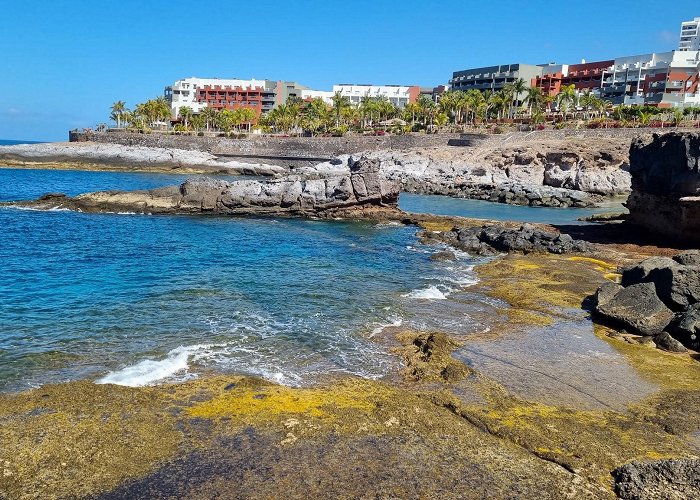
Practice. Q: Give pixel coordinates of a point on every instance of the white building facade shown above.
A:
(690, 35)
(398, 95)
(326, 95)
(187, 92)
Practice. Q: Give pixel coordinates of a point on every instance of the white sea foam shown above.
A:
(430, 293)
(394, 322)
(150, 371)
(177, 364)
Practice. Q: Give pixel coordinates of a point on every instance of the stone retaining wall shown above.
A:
(271, 147)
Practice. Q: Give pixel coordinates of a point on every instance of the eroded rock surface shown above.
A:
(665, 195)
(361, 187)
(89, 153)
(562, 173)
(668, 479)
(492, 239)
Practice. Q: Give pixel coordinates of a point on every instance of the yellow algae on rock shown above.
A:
(600, 265)
(669, 371)
(78, 439)
(538, 288)
(268, 404)
(437, 225)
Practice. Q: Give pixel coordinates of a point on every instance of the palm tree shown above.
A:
(118, 110)
(209, 115)
(518, 87)
(534, 99)
(644, 118)
(566, 96)
(340, 103)
(185, 113)
(412, 109)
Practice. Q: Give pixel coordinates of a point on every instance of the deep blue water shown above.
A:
(140, 299)
(10, 142)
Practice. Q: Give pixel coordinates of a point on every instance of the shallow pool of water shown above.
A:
(478, 209)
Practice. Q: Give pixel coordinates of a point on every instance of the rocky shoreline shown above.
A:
(98, 156)
(501, 413)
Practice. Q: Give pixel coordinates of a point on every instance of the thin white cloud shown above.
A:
(668, 36)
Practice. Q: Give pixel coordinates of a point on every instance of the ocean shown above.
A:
(137, 300)
(10, 142)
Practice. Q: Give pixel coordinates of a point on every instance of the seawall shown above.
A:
(283, 151)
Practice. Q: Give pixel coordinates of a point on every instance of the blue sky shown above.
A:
(63, 62)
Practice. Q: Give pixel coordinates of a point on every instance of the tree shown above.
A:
(118, 111)
(209, 115)
(185, 113)
(197, 122)
(340, 103)
(534, 98)
(517, 88)
(412, 110)
(565, 98)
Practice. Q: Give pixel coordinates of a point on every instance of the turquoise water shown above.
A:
(135, 299)
(444, 205)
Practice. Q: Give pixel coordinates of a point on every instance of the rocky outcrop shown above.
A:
(668, 479)
(495, 239)
(506, 192)
(563, 173)
(360, 188)
(117, 155)
(659, 296)
(665, 195)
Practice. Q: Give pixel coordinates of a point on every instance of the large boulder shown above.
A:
(678, 285)
(665, 195)
(686, 327)
(636, 308)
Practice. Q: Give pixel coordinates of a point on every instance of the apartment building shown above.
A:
(584, 76)
(398, 95)
(309, 94)
(494, 78)
(218, 93)
(690, 35)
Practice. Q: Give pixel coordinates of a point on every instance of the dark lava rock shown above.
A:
(487, 240)
(637, 308)
(665, 196)
(667, 343)
(667, 479)
(640, 273)
(688, 258)
(667, 165)
(678, 285)
(686, 327)
(606, 292)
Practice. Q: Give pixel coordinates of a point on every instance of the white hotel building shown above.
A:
(398, 95)
(690, 35)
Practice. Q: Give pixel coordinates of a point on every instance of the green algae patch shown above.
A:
(667, 370)
(79, 439)
(540, 288)
(587, 443)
